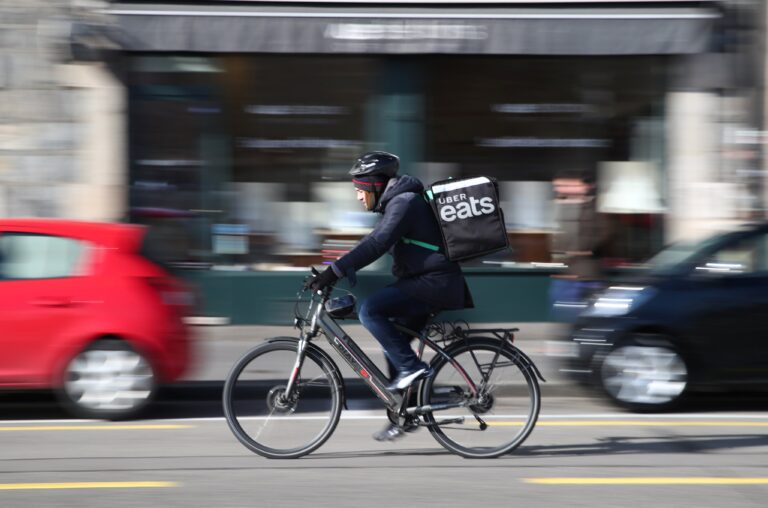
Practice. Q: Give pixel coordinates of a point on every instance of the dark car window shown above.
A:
(749, 255)
(677, 254)
(32, 256)
(671, 257)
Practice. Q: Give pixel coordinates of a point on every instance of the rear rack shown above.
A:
(459, 332)
(447, 332)
(503, 334)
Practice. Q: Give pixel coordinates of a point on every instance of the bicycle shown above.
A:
(283, 398)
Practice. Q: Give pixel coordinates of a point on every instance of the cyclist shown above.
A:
(426, 280)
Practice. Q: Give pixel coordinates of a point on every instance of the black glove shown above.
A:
(322, 280)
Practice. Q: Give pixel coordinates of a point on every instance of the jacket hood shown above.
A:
(397, 186)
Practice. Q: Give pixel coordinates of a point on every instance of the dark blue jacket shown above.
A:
(421, 273)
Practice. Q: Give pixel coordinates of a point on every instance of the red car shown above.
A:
(84, 312)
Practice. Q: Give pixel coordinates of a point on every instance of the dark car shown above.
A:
(696, 319)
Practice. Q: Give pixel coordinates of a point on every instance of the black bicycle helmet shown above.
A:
(376, 164)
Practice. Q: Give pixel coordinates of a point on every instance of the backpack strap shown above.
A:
(418, 243)
(427, 195)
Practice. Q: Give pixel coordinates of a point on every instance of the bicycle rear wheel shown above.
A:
(508, 400)
(271, 422)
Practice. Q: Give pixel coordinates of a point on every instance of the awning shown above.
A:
(593, 30)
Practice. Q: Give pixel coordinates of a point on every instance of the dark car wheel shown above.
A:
(644, 377)
(109, 379)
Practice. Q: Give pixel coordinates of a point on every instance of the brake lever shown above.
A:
(305, 285)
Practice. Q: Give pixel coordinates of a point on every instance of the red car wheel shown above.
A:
(109, 379)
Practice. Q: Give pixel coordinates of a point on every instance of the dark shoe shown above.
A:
(405, 378)
(389, 433)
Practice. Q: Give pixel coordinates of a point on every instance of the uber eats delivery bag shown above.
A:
(469, 215)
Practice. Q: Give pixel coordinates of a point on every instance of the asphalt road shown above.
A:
(582, 453)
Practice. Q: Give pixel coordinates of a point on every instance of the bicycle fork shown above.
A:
(301, 351)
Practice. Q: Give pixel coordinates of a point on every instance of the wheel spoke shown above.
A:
(316, 381)
(263, 425)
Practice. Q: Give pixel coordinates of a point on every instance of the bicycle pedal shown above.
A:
(482, 423)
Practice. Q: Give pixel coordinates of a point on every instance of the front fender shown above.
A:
(323, 356)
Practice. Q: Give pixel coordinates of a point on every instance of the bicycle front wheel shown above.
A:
(270, 421)
(502, 414)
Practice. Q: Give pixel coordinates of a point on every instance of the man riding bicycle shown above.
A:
(427, 281)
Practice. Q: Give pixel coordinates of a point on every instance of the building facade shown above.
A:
(230, 127)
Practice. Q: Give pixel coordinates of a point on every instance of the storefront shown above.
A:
(245, 119)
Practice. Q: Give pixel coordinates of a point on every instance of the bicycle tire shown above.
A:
(520, 391)
(245, 400)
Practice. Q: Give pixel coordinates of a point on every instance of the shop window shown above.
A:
(260, 145)
(531, 121)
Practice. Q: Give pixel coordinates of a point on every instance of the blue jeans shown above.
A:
(391, 304)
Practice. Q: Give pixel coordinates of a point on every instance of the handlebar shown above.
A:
(325, 292)
(314, 303)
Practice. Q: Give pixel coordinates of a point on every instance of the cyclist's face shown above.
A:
(366, 198)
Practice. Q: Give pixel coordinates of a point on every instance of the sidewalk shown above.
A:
(219, 347)
(528, 331)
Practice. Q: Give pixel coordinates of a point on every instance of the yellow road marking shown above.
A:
(703, 480)
(93, 427)
(631, 423)
(86, 485)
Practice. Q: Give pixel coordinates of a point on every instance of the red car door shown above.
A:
(39, 286)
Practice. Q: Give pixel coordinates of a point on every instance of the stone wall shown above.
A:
(61, 123)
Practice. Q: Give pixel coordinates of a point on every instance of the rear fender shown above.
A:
(495, 342)
(527, 362)
(313, 349)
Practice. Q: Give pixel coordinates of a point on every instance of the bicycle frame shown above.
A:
(320, 321)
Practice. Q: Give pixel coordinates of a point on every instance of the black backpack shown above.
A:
(470, 217)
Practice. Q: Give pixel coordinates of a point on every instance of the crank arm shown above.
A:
(482, 423)
(447, 421)
(429, 408)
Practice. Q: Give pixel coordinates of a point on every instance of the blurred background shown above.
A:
(620, 131)
(614, 128)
